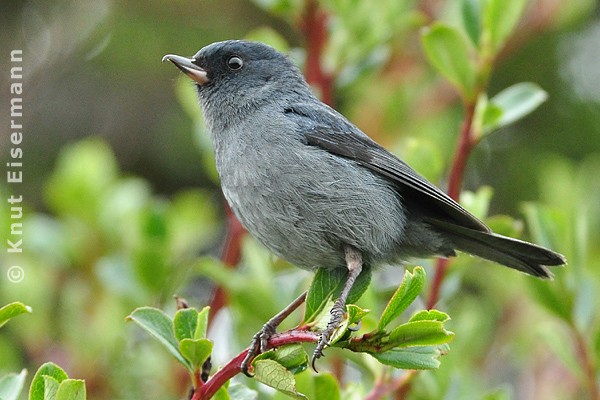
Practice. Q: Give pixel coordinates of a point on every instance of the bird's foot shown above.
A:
(257, 346)
(259, 341)
(337, 316)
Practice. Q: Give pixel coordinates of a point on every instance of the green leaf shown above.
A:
(11, 310)
(340, 331)
(196, 351)
(425, 357)
(71, 389)
(326, 387)
(490, 119)
(51, 386)
(430, 315)
(320, 321)
(471, 18)
(292, 357)
(275, 375)
(185, 323)
(419, 333)
(448, 51)
(407, 292)
(499, 19)
(202, 323)
(37, 389)
(324, 283)
(515, 102)
(11, 385)
(355, 313)
(352, 315)
(159, 325)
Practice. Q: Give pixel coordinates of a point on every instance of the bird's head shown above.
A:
(236, 69)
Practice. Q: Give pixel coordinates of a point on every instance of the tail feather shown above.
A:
(523, 256)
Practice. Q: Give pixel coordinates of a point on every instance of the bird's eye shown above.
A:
(235, 63)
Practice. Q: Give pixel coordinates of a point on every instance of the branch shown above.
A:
(398, 386)
(233, 367)
(314, 28)
(230, 257)
(587, 364)
(465, 145)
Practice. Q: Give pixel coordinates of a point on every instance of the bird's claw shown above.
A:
(257, 346)
(318, 352)
(337, 315)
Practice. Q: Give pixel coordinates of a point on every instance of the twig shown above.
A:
(587, 364)
(465, 145)
(230, 257)
(233, 367)
(404, 385)
(398, 386)
(314, 28)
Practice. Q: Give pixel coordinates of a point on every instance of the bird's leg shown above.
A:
(354, 265)
(259, 341)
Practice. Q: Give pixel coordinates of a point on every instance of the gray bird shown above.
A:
(316, 190)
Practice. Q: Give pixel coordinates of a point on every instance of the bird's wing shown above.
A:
(368, 153)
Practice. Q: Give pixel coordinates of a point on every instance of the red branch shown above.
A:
(314, 28)
(466, 143)
(398, 386)
(230, 257)
(587, 364)
(233, 367)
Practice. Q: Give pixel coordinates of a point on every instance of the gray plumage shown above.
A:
(306, 182)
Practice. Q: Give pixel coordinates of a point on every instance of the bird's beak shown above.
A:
(186, 66)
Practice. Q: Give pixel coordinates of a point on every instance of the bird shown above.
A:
(316, 190)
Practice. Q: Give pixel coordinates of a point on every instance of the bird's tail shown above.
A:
(526, 257)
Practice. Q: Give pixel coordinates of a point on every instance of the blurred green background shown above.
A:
(121, 199)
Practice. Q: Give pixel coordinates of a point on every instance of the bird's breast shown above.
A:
(305, 203)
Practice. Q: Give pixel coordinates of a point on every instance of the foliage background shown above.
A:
(122, 204)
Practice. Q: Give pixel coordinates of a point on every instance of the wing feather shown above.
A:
(371, 155)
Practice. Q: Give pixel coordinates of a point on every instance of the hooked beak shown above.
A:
(187, 66)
